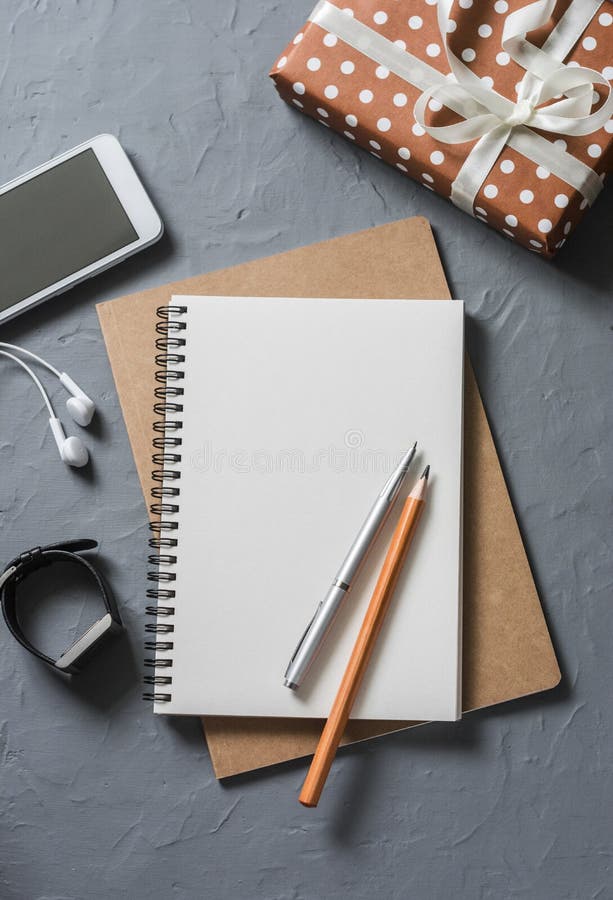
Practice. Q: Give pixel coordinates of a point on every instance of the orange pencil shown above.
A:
(364, 645)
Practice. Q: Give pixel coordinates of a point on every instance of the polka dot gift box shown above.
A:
(503, 106)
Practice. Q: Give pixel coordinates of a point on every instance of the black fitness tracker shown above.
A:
(67, 552)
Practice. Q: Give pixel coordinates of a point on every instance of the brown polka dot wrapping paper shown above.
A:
(523, 142)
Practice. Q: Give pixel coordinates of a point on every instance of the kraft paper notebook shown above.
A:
(293, 414)
(507, 651)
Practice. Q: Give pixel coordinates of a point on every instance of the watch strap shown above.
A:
(38, 557)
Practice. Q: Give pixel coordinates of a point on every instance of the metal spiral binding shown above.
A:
(166, 440)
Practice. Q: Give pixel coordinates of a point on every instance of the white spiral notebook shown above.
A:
(283, 419)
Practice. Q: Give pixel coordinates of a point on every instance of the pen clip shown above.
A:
(306, 631)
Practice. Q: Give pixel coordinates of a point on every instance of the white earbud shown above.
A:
(72, 449)
(80, 407)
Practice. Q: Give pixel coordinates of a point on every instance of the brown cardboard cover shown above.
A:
(507, 651)
(327, 80)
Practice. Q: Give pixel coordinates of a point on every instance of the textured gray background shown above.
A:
(101, 800)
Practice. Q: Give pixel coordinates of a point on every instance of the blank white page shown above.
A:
(295, 413)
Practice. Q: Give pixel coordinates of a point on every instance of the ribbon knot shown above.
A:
(521, 115)
(552, 97)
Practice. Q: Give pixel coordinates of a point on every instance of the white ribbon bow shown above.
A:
(492, 118)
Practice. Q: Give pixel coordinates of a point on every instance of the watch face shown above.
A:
(81, 649)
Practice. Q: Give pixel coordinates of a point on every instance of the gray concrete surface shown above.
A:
(101, 800)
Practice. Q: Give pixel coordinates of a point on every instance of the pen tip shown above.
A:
(426, 472)
(414, 447)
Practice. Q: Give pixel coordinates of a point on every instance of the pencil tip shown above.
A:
(414, 447)
(426, 473)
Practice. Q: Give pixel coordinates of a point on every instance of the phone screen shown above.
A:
(57, 223)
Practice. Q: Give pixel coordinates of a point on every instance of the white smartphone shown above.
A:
(69, 219)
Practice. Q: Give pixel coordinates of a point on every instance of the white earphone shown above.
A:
(71, 449)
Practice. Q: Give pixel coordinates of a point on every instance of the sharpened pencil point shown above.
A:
(426, 472)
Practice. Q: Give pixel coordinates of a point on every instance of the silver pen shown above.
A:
(318, 627)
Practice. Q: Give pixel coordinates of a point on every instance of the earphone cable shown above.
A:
(31, 355)
(34, 378)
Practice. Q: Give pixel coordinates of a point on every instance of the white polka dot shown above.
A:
(526, 196)
(281, 62)
(323, 122)
(351, 120)
(298, 38)
(331, 91)
(484, 31)
(605, 19)
(427, 177)
(518, 87)
(347, 67)
(545, 226)
(468, 54)
(415, 22)
(490, 191)
(572, 63)
(431, 2)
(481, 211)
(507, 166)
(561, 143)
(418, 130)
(542, 173)
(568, 227)
(437, 157)
(511, 220)
(404, 153)
(384, 124)
(435, 105)
(348, 11)
(401, 167)
(536, 243)
(330, 40)
(400, 99)
(501, 6)
(401, 44)
(433, 49)
(503, 59)
(594, 150)
(595, 97)
(380, 17)
(466, 4)
(561, 201)
(508, 233)
(481, 219)
(608, 73)
(560, 244)
(322, 112)
(298, 87)
(451, 26)
(349, 135)
(583, 204)
(375, 145)
(366, 95)
(376, 155)
(588, 43)
(609, 126)
(298, 103)
(382, 71)
(313, 64)
(488, 81)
